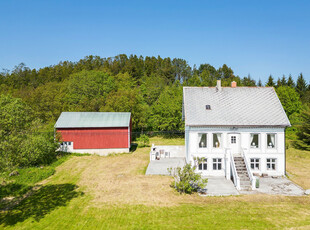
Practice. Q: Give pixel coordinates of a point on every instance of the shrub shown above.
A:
(186, 180)
(143, 141)
(37, 149)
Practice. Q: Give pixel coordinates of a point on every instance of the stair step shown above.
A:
(246, 189)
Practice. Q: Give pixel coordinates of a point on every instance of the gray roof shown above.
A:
(92, 120)
(240, 106)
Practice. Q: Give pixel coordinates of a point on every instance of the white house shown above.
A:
(239, 131)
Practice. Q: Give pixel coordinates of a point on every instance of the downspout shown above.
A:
(285, 150)
(186, 142)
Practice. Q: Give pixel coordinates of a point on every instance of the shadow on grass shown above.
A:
(133, 147)
(40, 203)
(13, 189)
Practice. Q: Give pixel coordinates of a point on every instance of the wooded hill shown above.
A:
(149, 87)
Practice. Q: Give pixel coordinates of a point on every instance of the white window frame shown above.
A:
(199, 138)
(271, 162)
(254, 163)
(203, 165)
(259, 141)
(221, 141)
(216, 162)
(275, 140)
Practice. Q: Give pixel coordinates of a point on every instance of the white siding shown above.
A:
(263, 153)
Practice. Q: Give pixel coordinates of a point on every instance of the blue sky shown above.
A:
(252, 37)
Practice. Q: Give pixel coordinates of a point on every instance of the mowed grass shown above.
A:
(26, 179)
(298, 166)
(112, 192)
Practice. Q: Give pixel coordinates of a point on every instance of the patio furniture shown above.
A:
(162, 152)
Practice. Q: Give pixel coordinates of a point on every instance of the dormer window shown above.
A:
(208, 107)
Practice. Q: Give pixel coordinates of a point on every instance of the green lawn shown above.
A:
(93, 192)
(26, 179)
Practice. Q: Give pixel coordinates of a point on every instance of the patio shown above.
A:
(159, 167)
(277, 186)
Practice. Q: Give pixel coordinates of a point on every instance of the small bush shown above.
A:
(143, 141)
(186, 180)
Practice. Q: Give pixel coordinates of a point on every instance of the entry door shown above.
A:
(234, 143)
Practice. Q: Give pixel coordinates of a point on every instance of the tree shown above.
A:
(88, 90)
(283, 81)
(290, 100)
(290, 82)
(270, 81)
(301, 86)
(206, 78)
(279, 82)
(248, 81)
(167, 111)
(225, 72)
(182, 70)
(304, 130)
(20, 142)
(259, 83)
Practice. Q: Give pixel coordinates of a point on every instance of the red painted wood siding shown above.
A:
(96, 138)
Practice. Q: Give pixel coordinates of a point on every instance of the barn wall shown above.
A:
(96, 138)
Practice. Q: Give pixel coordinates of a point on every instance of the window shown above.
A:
(233, 140)
(208, 107)
(254, 140)
(217, 163)
(271, 163)
(203, 165)
(202, 140)
(271, 141)
(255, 163)
(217, 140)
(69, 143)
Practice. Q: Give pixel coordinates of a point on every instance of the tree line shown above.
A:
(149, 87)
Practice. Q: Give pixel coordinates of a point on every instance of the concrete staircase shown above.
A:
(242, 172)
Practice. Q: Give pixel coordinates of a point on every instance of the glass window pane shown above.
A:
(200, 167)
(254, 140)
(216, 140)
(271, 140)
(202, 140)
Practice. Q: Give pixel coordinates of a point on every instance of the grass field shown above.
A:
(93, 192)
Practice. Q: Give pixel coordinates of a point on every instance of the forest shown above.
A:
(150, 88)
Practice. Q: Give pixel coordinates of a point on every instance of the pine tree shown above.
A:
(283, 81)
(290, 82)
(259, 83)
(301, 86)
(279, 83)
(270, 81)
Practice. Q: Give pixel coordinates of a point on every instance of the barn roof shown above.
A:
(93, 119)
(240, 106)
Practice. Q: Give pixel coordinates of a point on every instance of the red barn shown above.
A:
(94, 132)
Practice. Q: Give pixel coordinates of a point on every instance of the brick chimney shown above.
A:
(233, 84)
